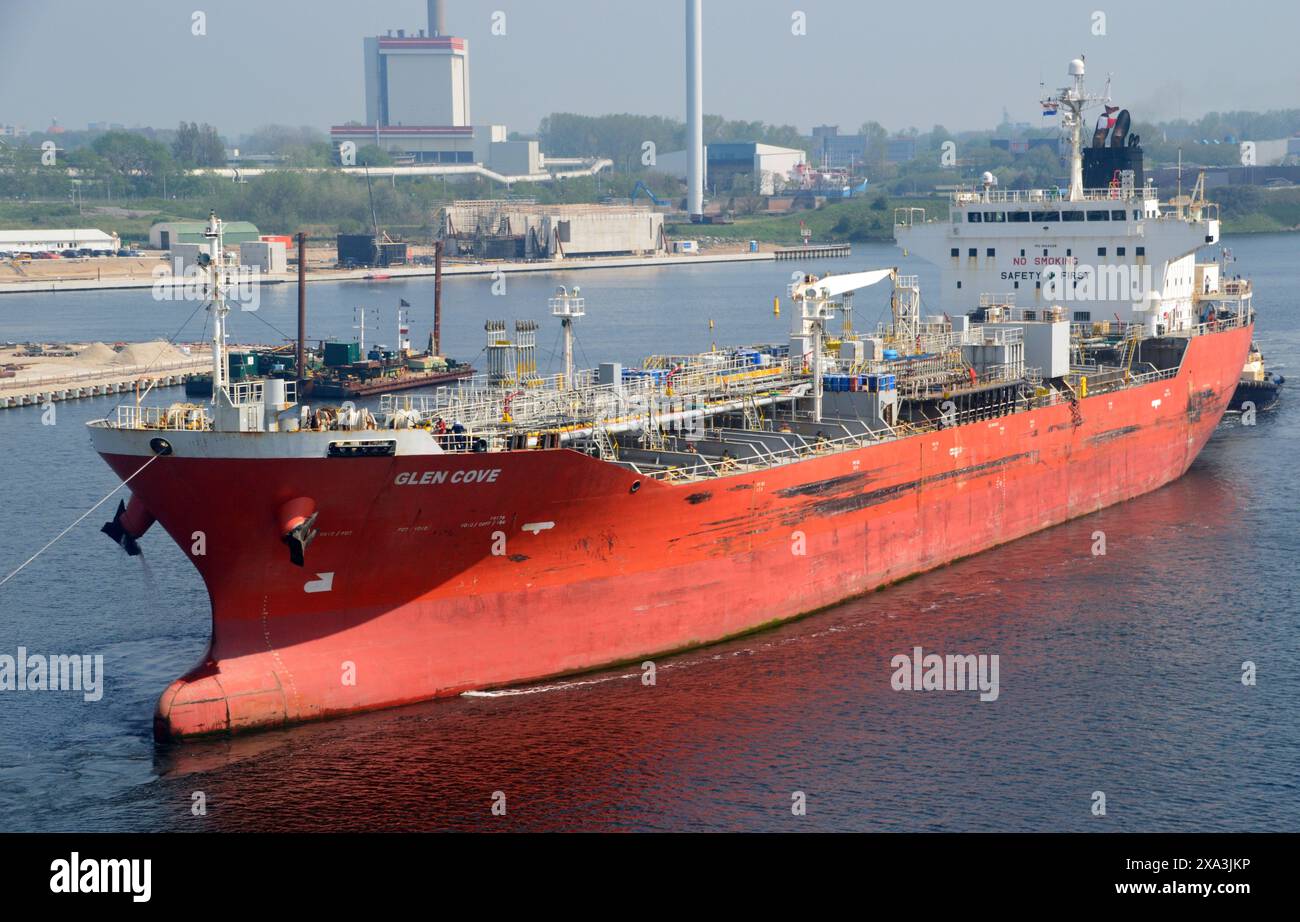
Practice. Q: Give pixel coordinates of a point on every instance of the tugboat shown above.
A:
(1258, 385)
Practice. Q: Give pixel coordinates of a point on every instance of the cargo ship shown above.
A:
(521, 526)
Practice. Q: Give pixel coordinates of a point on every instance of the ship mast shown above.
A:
(217, 306)
(1073, 99)
(568, 307)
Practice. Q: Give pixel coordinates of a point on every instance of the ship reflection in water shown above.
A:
(1112, 678)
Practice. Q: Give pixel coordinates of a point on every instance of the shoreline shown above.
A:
(402, 272)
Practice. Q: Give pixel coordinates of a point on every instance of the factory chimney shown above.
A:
(694, 112)
(437, 21)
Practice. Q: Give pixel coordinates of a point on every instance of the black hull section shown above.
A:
(1263, 394)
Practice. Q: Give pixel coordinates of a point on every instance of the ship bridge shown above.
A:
(1105, 255)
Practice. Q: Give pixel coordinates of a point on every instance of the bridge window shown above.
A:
(972, 252)
(1120, 251)
(1099, 216)
(1072, 215)
(995, 217)
(974, 217)
(1141, 251)
(1043, 216)
(1101, 251)
(1082, 316)
(990, 252)
(1117, 214)
(1018, 217)
(955, 252)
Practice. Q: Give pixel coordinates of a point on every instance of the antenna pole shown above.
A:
(437, 297)
(217, 303)
(300, 358)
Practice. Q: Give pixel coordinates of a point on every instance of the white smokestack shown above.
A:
(694, 110)
(437, 22)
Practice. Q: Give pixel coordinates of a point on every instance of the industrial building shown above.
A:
(900, 149)
(44, 241)
(1217, 177)
(763, 168)
(418, 105)
(1017, 147)
(166, 234)
(835, 151)
(516, 230)
(1277, 152)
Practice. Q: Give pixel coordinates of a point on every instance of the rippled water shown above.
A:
(1118, 673)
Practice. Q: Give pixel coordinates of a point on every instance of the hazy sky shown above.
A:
(900, 63)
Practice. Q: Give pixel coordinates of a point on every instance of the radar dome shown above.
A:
(1076, 67)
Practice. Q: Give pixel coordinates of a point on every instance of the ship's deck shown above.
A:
(687, 418)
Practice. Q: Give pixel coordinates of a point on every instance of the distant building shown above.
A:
(42, 241)
(418, 105)
(765, 167)
(1018, 147)
(490, 229)
(900, 150)
(1275, 152)
(1167, 179)
(166, 234)
(835, 151)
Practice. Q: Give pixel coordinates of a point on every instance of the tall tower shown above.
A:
(694, 110)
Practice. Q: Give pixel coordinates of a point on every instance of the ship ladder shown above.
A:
(604, 444)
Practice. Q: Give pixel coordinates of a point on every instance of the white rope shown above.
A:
(79, 520)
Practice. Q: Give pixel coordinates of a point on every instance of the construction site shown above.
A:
(521, 229)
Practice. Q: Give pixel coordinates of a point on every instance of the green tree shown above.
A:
(198, 146)
(133, 159)
(373, 155)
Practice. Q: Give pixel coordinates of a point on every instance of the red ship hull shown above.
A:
(433, 575)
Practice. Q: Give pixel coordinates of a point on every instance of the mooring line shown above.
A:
(79, 520)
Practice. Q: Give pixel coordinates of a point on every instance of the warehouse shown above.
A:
(42, 241)
(163, 235)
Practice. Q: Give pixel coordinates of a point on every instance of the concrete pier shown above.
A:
(38, 391)
(823, 251)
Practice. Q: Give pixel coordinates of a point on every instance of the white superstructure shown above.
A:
(1104, 252)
